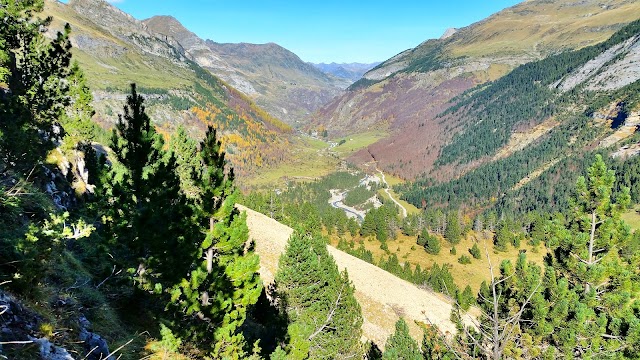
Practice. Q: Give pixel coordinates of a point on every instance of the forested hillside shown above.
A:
(526, 179)
(405, 94)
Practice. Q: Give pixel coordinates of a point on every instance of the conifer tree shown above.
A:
(224, 282)
(34, 72)
(589, 260)
(475, 251)
(423, 237)
(432, 245)
(453, 232)
(400, 345)
(325, 318)
(77, 123)
(185, 150)
(150, 219)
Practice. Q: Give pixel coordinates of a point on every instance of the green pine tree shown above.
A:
(77, 120)
(34, 72)
(325, 318)
(224, 282)
(432, 245)
(400, 345)
(423, 237)
(148, 216)
(453, 232)
(475, 251)
(185, 150)
(599, 315)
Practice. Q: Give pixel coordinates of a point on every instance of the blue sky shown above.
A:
(321, 31)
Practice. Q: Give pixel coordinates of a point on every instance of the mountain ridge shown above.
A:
(276, 78)
(114, 50)
(409, 90)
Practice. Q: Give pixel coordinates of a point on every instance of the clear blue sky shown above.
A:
(321, 31)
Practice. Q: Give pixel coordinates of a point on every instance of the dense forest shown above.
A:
(126, 241)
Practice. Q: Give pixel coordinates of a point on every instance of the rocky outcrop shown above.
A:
(126, 28)
(616, 67)
(20, 327)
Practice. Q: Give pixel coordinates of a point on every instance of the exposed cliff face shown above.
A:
(124, 27)
(613, 69)
(408, 91)
(194, 48)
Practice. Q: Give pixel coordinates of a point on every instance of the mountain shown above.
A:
(350, 71)
(406, 93)
(277, 79)
(516, 138)
(114, 49)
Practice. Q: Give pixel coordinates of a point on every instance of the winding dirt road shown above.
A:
(386, 189)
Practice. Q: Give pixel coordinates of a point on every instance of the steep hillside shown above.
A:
(276, 78)
(380, 309)
(515, 137)
(408, 91)
(352, 71)
(114, 49)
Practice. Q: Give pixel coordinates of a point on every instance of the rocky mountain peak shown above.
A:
(448, 33)
(106, 15)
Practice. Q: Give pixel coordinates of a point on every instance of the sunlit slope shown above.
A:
(114, 50)
(381, 309)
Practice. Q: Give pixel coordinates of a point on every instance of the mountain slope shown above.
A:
(114, 50)
(276, 78)
(516, 137)
(406, 93)
(380, 309)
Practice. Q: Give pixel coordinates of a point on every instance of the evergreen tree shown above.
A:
(466, 298)
(185, 150)
(453, 232)
(149, 217)
(502, 238)
(475, 251)
(400, 345)
(423, 237)
(432, 245)
(325, 318)
(35, 93)
(77, 120)
(224, 282)
(587, 255)
(80, 131)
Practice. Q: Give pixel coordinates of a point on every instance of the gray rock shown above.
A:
(49, 351)
(96, 345)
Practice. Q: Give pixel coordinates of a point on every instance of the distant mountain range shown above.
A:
(435, 102)
(350, 71)
(273, 76)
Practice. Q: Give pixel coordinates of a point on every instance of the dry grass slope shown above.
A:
(382, 296)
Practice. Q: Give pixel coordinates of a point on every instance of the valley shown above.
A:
(165, 195)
